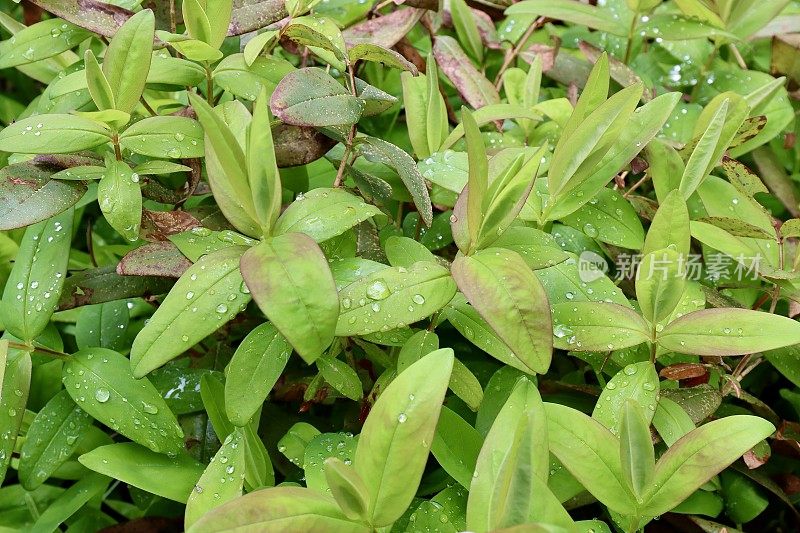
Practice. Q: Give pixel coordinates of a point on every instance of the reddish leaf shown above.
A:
(385, 31)
(161, 259)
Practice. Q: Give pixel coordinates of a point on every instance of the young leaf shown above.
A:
(341, 377)
(702, 161)
(98, 85)
(103, 325)
(467, 29)
(637, 455)
(289, 278)
(670, 226)
(478, 176)
(262, 170)
(508, 296)
(660, 282)
(347, 488)
(254, 369)
(34, 285)
(127, 59)
(70, 501)
(120, 199)
(209, 294)
(513, 455)
(393, 446)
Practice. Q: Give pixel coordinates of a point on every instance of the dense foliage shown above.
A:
(353, 266)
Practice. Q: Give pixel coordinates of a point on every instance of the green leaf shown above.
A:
(637, 455)
(660, 282)
(720, 332)
(28, 195)
(456, 446)
(609, 218)
(120, 199)
(341, 377)
(379, 54)
(575, 12)
(404, 252)
(13, 398)
(34, 286)
(51, 439)
(137, 466)
(321, 35)
(324, 213)
(393, 446)
(347, 488)
(478, 182)
(510, 298)
(254, 47)
(209, 294)
(101, 383)
(699, 456)
(702, 161)
(227, 168)
(103, 325)
(262, 169)
(292, 508)
(289, 278)
(670, 226)
(39, 41)
(597, 326)
(97, 83)
(513, 457)
(165, 137)
(591, 453)
(637, 382)
(127, 59)
(196, 21)
(70, 501)
(52, 134)
(222, 480)
(467, 29)
(380, 151)
(671, 421)
(311, 97)
(393, 297)
(256, 365)
(488, 114)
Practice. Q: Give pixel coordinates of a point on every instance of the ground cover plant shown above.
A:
(356, 266)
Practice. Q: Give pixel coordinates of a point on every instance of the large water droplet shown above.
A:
(102, 395)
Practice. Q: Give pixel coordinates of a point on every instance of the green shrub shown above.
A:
(358, 266)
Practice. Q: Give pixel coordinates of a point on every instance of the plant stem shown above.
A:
(498, 80)
(631, 31)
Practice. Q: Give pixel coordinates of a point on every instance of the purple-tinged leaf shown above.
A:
(28, 195)
(162, 259)
(473, 86)
(99, 285)
(290, 281)
(506, 294)
(385, 31)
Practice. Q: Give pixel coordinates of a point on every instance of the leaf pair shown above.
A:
(426, 115)
(389, 461)
(623, 474)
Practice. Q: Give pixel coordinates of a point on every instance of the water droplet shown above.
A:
(222, 308)
(102, 395)
(418, 299)
(149, 408)
(402, 418)
(378, 290)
